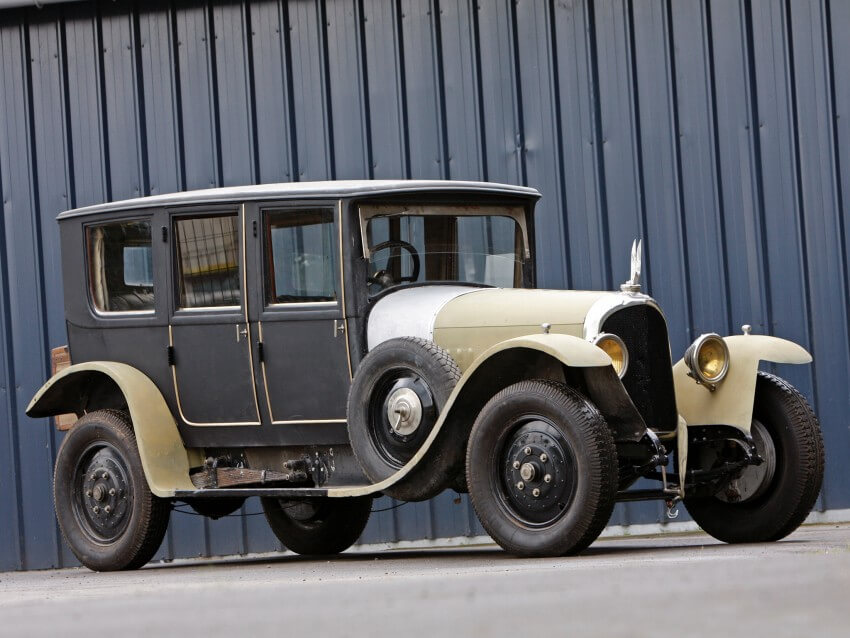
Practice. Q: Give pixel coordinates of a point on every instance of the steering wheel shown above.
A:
(383, 278)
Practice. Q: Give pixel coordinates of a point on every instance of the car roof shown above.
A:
(329, 189)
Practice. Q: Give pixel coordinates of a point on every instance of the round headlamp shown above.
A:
(708, 359)
(616, 349)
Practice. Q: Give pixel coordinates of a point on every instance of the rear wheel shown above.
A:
(318, 526)
(215, 508)
(542, 469)
(106, 511)
(769, 501)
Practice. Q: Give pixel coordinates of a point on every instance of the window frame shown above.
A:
(267, 254)
(198, 212)
(129, 217)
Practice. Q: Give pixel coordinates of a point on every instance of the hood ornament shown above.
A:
(632, 285)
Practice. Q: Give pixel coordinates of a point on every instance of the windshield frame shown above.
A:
(367, 210)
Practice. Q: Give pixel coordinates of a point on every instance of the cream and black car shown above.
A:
(318, 344)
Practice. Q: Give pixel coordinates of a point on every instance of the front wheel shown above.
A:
(106, 511)
(769, 501)
(541, 467)
(318, 526)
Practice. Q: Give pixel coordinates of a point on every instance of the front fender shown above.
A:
(165, 460)
(473, 390)
(732, 402)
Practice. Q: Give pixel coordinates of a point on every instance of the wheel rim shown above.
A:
(753, 480)
(402, 412)
(102, 493)
(536, 475)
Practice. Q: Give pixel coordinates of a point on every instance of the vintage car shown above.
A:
(318, 344)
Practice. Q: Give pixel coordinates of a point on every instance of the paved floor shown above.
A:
(672, 585)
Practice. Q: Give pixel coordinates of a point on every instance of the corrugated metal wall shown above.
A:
(718, 131)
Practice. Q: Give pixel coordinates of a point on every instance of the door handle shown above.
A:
(339, 327)
(241, 333)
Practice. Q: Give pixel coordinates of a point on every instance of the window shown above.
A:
(208, 261)
(413, 244)
(301, 256)
(121, 267)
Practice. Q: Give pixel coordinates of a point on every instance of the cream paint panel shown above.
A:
(732, 402)
(465, 344)
(165, 461)
(502, 307)
(570, 350)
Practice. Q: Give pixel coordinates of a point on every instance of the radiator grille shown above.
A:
(649, 378)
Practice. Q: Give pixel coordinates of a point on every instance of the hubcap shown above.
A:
(402, 412)
(537, 474)
(102, 498)
(754, 479)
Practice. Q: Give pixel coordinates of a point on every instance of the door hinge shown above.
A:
(170, 350)
(260, 352)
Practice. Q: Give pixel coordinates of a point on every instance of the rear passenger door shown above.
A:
(209, 334)
(301, 324)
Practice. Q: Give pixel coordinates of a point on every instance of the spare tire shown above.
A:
(397, 396)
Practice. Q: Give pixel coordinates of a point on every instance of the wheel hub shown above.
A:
(102, 503)
(401, 414)
(404, 411)
(753, 479)
(538, 475)
(528, 472)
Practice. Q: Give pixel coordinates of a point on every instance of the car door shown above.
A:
(209, 334)
(301, 328)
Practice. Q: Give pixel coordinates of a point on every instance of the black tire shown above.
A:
(129, 533)
(781, 506)
(318, 526)
(575, 503)
(215, 508)
(381, 452)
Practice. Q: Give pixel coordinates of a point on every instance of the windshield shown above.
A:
(466, 244)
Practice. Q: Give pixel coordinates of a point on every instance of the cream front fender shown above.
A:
(165, 460)
(569, 350)
(474, 389)
(732, 402)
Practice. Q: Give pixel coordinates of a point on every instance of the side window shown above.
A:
(301, 256)
(207, 261)
(121, 266)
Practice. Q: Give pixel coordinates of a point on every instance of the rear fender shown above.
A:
(165, 460)
(731, 403)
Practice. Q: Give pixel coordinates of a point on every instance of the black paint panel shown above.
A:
(214, 377)
(306, 366)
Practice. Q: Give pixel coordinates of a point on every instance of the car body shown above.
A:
(316, 344)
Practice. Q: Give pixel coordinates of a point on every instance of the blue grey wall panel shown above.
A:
(718, 131)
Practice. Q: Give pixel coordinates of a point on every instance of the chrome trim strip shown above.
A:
(245, 297)
(263, 368)
(207, 309)
(608, 305)
(302, 304)
(110, 314)
(342, 289)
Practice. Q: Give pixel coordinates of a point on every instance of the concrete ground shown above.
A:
(684, 585)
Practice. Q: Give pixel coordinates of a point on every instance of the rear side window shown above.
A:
(208, 261)
(121, 267)
(301, 253)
